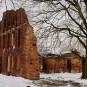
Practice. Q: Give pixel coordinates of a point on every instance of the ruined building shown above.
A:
(68, 62)
(18, 50)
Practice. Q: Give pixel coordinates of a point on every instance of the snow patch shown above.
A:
(12, 81)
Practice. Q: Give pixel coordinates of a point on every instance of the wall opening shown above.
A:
(8, 40)
(8, 65)
(13, 39)
(3, 41)
(69, 65)
(18, 37)
(34, 44)
(18, 63)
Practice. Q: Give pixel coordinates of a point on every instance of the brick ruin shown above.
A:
(54, 64)
(18, 49)
(73, 63)
(68, 62)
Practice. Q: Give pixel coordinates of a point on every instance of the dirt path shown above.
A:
(56, 83)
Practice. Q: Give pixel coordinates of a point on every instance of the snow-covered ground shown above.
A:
(12, 81)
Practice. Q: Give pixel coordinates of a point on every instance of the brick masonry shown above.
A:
(68, 62)
(18, 49)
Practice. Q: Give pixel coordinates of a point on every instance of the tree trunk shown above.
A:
(84, 64)
(84, 71)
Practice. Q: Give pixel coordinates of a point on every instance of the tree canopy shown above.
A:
(66, 18)
(64, 22)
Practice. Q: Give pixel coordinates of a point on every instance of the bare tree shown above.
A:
(63, 21)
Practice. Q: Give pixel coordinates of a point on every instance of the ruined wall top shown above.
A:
(12, 18)
(13, 26)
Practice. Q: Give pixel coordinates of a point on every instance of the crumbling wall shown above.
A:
(49, 65)
(74, 62)
(18, 45)
(54, 65)
(68, 62)
(61, 65)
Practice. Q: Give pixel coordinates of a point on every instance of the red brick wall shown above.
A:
(18, 47)
(49, 65)
(52, 64)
